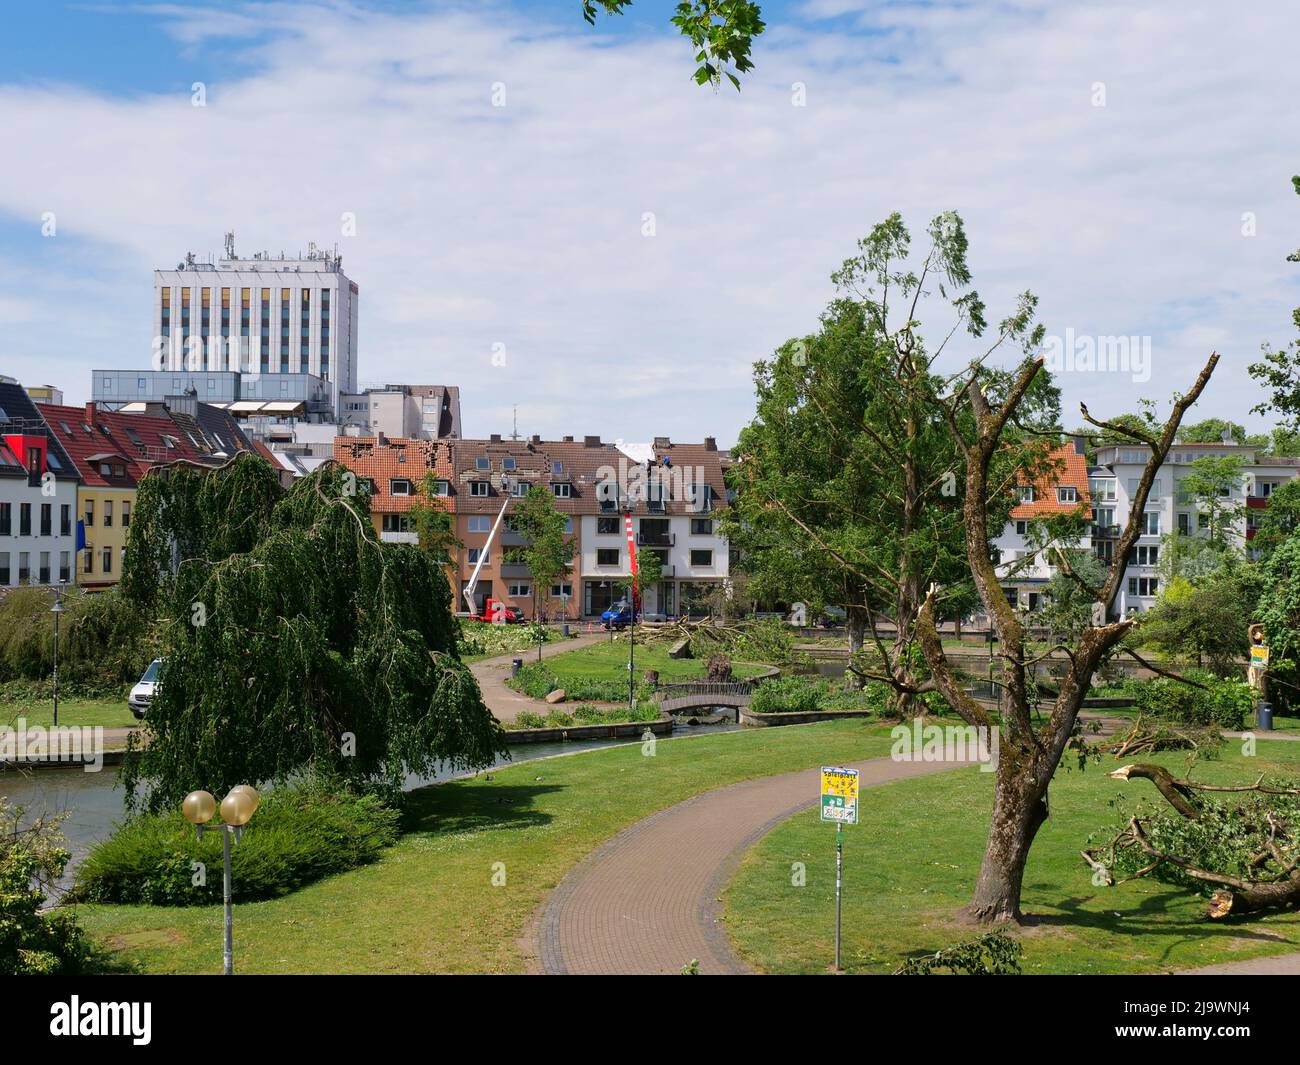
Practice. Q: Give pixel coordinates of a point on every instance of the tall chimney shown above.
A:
(90, 412)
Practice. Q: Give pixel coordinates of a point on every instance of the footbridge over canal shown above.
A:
(674, 696)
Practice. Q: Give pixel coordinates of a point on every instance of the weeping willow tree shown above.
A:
(295, 640)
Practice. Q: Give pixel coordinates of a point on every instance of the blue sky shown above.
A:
(524, 225)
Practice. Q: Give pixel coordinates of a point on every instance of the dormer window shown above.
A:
(563, 490)
(441, 488)
(399, 486)
(1067, 494)
(1025, 493)
(478, 488)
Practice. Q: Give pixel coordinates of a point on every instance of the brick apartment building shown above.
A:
(393, 470)
(672, 491)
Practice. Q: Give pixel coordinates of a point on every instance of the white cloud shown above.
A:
(523, 225)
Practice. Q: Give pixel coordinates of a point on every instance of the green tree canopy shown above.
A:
(721, 31)
(295, 641)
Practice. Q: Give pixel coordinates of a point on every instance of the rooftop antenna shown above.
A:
(515, 433)
(230, 244)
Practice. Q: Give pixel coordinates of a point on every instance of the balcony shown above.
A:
(1105, 532)
(514, 569)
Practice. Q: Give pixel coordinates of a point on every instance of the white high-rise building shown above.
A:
(272, 320)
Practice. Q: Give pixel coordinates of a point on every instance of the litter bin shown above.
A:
(564, 630)
(516, 664)
(1265, 717)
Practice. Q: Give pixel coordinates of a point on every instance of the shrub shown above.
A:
(296, 837)
(104, 639)
(789, 695)
(1222, 703)
(31, 857)
(586, 715)
(537, 682)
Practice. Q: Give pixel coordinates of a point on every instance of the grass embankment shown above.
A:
(429, 904)
(111, 712)
(910, 865)
(607, 660)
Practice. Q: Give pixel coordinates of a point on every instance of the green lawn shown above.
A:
(107, 712)
(428, 905)
(911, 865)
(607, 660)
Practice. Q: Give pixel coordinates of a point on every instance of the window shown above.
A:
(65, 519)
(1102, 489)
(1202, 521)
(1067, 494)
(558, 591)
(47, 510)
(1143, 587)
(562, 490)
(482, 464)
(24, 567)
(107, 560)
(479, 488)
(475, 553)
(1151, 523)
(90, 513)
(1022, 527)
(1148, 555)
(24, 519)
(6, 522)
(519, 489)
(1025, 493)
(507, 464)
(44, 572)
(399, 486)
(557, 468)
(1185, 524)
(480, 523)
(395, 523)
(607, 556)
(521, 590)
(108, 513)
(87, 561)
(701, 526)
(607, 526)
(4, 567)
(126, 513)
(701, 558)
(65, 567)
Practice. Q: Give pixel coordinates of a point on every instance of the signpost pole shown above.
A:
(839, 880)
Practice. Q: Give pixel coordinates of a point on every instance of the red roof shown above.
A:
(129, 443)
(1066, 468)
(390, 459)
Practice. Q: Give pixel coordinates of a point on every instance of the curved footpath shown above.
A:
(647, 901)
(492, 674)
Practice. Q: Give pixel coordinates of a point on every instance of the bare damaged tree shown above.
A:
(1029, 754)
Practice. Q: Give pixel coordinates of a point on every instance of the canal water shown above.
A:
(94, 801)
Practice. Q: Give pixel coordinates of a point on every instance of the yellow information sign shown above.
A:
(839, 795)
(1259, 657)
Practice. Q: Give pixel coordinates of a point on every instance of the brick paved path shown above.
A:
(492, 673)
(647, 901)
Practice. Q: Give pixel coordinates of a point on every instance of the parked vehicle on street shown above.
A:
(142, 694)
(618, 616)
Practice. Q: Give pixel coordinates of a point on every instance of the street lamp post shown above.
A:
(57, 610)
(237, 809)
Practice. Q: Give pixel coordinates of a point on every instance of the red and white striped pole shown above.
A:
(636, 606)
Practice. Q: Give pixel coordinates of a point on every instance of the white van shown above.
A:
(142, 694)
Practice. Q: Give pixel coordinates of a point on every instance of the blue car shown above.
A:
(618, 616)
